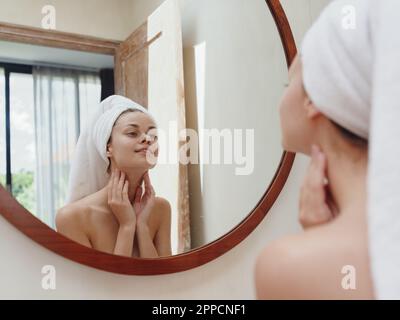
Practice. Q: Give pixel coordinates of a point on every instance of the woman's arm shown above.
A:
(144, 205)
(145, 243)
(125, 239)
(161, 246)
(163, 236)
(121, 207)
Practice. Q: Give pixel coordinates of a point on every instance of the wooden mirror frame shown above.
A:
(39, 232)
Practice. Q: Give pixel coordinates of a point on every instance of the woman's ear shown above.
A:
(108, 150)
(310, 108)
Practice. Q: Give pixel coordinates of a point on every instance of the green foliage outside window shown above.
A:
(23, 188)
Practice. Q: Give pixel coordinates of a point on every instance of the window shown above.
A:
(3, 160)
(22, 139)
(40, 125)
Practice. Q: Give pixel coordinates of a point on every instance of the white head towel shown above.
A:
(337, 65)
(89, 166)
(352, 76)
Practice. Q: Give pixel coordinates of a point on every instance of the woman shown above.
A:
(325, 114)
(309, 265)
(117, 218)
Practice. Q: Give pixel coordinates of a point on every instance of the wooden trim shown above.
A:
(285, 32)
(57, 39)
(135, 44)
(47, 237)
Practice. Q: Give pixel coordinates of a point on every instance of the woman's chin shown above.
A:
(146, 164)
(285, 145)
(289, 148)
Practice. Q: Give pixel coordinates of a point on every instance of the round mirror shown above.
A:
(211, 73)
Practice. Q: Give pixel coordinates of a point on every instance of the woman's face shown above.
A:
(134, 141)
(296, 113)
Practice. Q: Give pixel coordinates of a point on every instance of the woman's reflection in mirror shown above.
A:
(125, 217)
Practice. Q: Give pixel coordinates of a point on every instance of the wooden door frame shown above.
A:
(39, 232)
(57, 39)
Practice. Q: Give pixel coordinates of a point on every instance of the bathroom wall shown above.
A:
(228, 277)
(99, 18)
(237, 45)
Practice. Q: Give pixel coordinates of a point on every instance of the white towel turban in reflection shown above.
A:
(352, 74)
(89, 166)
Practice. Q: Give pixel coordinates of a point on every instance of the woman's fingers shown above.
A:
(316, 172)
(153, 193)
(137, 200)
(138, 194)
(314, 197)
(331, 204)
(119, 188)
(120, 185)
(125, 190)
(149, 191)
(113, 184)
(116, 193)
(146, 179)
(109, 189)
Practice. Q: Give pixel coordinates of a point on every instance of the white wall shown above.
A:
(244, 76)
(228, 277)
(99, 18)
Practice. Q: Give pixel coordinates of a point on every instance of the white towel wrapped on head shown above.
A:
(89, 166)
(337, 65)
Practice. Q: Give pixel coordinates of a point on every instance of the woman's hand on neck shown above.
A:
(135, 178)
(346, 173)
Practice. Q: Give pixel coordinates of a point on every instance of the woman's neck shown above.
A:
(134, 177)
(347, 182)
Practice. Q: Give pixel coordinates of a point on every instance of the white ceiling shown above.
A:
(32, 54)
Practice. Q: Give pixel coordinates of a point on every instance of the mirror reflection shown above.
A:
(161, 149)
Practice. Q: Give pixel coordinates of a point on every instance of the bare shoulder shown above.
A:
(162, 208)
(310, 266)
(162, 202)
(162, 238)
(73, 213)
(273, 268)
(71, 221)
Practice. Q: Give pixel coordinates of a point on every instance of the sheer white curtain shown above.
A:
(63, 101)
(3, 130)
